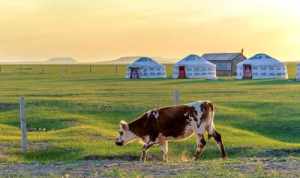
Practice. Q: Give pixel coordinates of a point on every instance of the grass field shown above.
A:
(73, 113)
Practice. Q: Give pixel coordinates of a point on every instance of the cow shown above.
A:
(158, 126)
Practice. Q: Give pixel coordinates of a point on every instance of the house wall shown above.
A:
(235, 62)
(231, 69)
(224, 68)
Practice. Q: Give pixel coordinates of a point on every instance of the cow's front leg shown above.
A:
(145, 150)
(200, 146)
(164, 149)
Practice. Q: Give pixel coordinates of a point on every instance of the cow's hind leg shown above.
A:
(200, 146)
(218, 139)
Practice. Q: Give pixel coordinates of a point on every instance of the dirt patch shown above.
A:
(3, 156)
(288, 167)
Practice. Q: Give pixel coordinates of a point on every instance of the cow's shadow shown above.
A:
(124, 157)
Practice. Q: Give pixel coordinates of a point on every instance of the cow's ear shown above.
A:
(124, 125)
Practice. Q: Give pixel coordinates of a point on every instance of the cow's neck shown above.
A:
(138, 127)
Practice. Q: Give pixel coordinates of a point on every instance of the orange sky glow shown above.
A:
(96, 30)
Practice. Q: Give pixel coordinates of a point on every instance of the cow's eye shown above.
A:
(121, 132)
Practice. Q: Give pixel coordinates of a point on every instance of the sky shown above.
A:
(96, 30)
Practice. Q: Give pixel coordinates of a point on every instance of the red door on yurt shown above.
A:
(134, 73)
(247, 71)
(182, 73)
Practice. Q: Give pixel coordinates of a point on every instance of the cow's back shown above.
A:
(172, 121)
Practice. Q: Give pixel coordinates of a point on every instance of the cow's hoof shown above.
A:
(225, 158)
(143, 160)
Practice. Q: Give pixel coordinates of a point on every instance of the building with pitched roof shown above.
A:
(225, 62)
(194, 67)
(262, 66)
(145, 67)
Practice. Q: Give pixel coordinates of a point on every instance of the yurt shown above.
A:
(298, 72)
(145, 67)
(193, 67)
(261, 66)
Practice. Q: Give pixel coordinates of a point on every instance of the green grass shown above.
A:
(75, 113)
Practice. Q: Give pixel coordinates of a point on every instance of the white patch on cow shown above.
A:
(149, 113)
(123, 122)
(199, 127)
(197, 106)
(186, 114)
(155, 113)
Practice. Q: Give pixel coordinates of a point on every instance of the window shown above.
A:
(224, 66)
(263, 67)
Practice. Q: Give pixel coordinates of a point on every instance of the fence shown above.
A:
(23, 123)
(68, 69)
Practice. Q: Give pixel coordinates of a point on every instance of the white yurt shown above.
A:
(262, 66)
(194, 66)
(298, 72)
(145, 67)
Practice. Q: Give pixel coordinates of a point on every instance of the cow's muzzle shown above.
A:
(119, 143)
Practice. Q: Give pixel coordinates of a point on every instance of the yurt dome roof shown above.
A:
(144, 61)
(194, 60)
(261, 59)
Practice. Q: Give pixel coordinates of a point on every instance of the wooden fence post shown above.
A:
(24, 141)
(176, 97)
(91, 68)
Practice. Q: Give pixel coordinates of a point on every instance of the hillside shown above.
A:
(61, 60)
(129, 59)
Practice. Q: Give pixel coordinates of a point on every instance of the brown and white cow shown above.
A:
(158, 126)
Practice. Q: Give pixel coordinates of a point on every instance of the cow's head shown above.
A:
(125, 135)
